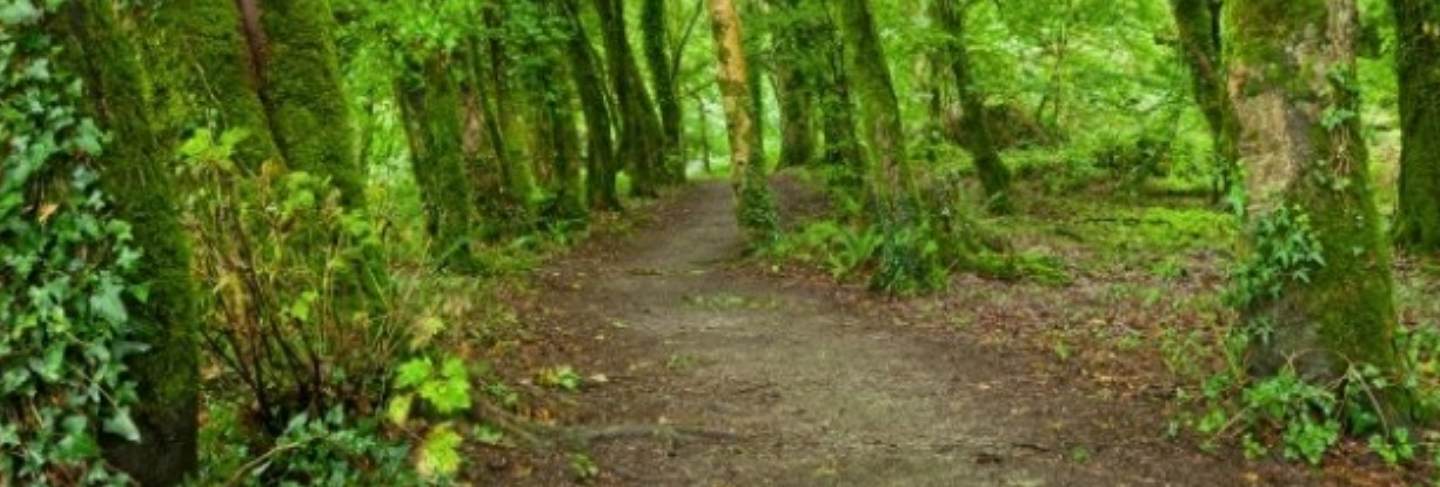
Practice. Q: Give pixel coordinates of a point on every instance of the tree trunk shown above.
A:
(639, 129)
(430, 105)
(1198, 23)
(215, 70)
(755, 210)
(891, 186)
(520, 188)
(796, 96)
(1292, 78)
(1417, 221)
(994, 176)
(704, 116)
(301, 86)
(136, 173)
(836, 104)
(600, 163)
(488, 160)
(657, 40)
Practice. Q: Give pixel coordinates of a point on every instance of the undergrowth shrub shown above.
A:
(297, 316)
(1275, 408)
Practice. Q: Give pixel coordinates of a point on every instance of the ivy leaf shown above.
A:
(18, 12)
(440, 452)
(106, 303)
(122, 425)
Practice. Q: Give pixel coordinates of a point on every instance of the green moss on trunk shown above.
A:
(639, 146)
(656, 39)
(215, 74)
(1292, 62)
(994, 176)
(135, 173)
(794, 68)
(890, 182)
(430, 105)
(1198, 24)
(600, 165)
(1417, 222)
(755, 207)
(302, 89)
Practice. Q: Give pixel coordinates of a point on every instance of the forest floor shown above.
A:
(796, 380)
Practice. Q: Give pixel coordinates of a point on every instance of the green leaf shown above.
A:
(106, 303)
(398, 411)
(487, 434)
(440, 452)
(414, 372)
(448, 396)
(18, 12)
(122, 425)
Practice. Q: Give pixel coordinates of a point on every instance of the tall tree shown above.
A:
(520, 187)
(890, 183)
(755, 206)
(1199, 26)
(431, 109)
(795, 65)
(640, 133)
(601, 164)
(135, 172)
(1292, 67)
(656, 29)
(835, 100)
(301, 87)
(994, 176)
(1417, 221)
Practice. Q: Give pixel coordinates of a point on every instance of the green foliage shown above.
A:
(291, 295)
(1285, 250)
(67, 273)
(330, 450)
(560, 377)
(446, 390)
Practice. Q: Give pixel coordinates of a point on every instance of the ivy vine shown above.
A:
(65, 272)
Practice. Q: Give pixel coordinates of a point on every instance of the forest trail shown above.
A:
(818, 390)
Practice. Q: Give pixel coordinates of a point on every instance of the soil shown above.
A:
(799, 381)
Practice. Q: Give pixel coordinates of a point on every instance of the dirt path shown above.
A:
(817, 390)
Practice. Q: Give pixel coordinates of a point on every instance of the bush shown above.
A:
(297, 314)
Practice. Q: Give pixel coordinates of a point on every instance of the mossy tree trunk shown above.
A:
(755, 208)
(431, 108)
(302, 89)
(794, 68)
(1292, 70)
(640, 133)
(600, 162)
(520, 187)
(836, 102)
(994, 176)
(1417, 220)
(556, 100)
(136, 174)
(215, 71)
(1198, 24)
(656, 30)
(488, 159)
(890, 183)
